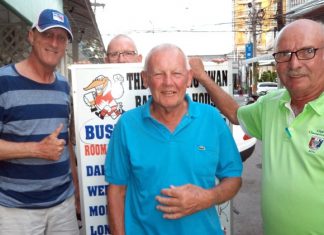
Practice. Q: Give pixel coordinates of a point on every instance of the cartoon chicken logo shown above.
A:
(104, 95)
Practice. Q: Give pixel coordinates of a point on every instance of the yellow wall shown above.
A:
(241, 19)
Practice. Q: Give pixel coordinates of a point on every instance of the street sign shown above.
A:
(249, 50)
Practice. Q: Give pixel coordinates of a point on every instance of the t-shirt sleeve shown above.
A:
(249, 117)
(230, 163)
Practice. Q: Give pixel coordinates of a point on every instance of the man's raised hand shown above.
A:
(51, 147)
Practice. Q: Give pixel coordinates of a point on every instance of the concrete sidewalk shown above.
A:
(246, 204)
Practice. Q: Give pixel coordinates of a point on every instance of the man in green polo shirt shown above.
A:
(290, 124)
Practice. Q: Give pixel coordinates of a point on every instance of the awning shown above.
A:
(268, 58)
(82, 19)
(85, 29)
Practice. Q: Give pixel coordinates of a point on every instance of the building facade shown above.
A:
(311, 9)
(256, 23)
(16, 18)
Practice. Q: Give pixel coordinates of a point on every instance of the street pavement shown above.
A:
(246, 204)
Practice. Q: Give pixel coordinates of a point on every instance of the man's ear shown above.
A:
(139, 58)
(190, 77)
(31, 37)
(144, 78)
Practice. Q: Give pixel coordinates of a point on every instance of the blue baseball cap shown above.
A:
(50, 18)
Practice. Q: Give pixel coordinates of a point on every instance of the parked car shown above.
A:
(264, 87)
(249, 99)
(244, 143)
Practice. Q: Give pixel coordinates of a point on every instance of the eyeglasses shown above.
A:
(50, 36)
(116, 54)
(302, 54)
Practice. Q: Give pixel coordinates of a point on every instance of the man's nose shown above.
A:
(168, 79)
(122, 58)
(294, 61)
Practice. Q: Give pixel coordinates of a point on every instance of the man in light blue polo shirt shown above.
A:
(163, 157)
(290, 124)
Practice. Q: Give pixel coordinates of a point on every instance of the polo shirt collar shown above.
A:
(193, 111)
(317, 104)
(285, 98)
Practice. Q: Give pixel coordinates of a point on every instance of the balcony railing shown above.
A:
(294, 3)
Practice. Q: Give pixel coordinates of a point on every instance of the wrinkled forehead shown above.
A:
(168, 55)
(57, 30)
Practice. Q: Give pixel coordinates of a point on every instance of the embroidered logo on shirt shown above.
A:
(315, 142)
(201, 148)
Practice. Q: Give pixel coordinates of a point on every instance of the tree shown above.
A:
(268, 76)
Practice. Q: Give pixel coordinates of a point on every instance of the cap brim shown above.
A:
(54, 26)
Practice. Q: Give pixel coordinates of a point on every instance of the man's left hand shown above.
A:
(177, 202)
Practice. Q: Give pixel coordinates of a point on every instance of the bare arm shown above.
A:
(223, 101)
(177, 202)
(116, 206)
(74, 168)
(75, 178)
(49, 148)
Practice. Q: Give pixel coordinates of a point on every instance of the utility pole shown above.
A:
(252, 14)
(95, 5)
(279, 17)
(255, 18)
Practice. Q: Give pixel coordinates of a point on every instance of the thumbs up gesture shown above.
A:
(51, 147)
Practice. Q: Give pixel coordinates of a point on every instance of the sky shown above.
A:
(199, 27)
